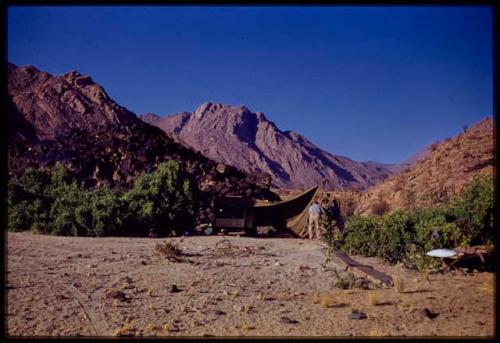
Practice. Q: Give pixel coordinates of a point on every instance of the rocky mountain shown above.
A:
(53, 104)
(438, 173)
(70, 120)
(234, 135)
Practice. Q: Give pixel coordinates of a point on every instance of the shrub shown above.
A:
(108, 211)
(29, 201)
(80, 212)
(398, 283)
(433, 228)
(380, 207)
(409, 198)
(362, 235)
(50, 201)
(161, 201)
(348, 203)
(474, 211)
(18, 216)
(100, 213)
(63, 211)
(395, 233)
(405, 236)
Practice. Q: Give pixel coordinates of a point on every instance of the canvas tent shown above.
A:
(245, 212)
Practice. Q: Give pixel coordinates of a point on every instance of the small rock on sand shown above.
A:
(174, 289)
(355, 314)
(287, 320)
(114, 294)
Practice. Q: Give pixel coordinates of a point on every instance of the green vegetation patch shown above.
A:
(406, 235)
(51, 201)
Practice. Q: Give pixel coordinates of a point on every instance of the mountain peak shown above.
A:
(77, 79)
(205, 107)
(237, 136)
(77, 96)
(219, 109)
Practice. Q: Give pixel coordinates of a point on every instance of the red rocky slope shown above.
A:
(440, 174)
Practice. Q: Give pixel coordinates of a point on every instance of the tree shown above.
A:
(162, 201)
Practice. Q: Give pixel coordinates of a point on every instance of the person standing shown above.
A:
(335, 214)
(315, 211)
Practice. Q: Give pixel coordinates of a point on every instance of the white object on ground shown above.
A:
(442, 253)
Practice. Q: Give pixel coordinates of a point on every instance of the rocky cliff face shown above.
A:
(71, 120)
(439, 173)
(54, 104)
(247, 140)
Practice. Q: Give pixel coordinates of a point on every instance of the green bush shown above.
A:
(434, 228)
(50, 201)
(67, 198)
(405, 236)
(474, 211)
(29, 201)
(92, 213)
(107, 211)
(161, 201)
(395, 234)
(361, 235)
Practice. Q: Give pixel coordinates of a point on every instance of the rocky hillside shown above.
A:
(234, 135)
(71, 120)
(439, 174)
(53, 104)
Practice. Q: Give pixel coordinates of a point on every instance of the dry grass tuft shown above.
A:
(487, 287)
(152, 327)
(326, 300)
(380, 207)
(408, 308)
(374, 299)
(378, 332)
(125, 330)
(150, 292)
(247, 327)
(168, 328)
(398, 284)
(168, 250)
(427, 275)
(282, 296)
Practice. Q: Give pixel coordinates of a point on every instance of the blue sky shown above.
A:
(369, 83)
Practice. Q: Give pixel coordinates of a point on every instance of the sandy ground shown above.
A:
(61, 286)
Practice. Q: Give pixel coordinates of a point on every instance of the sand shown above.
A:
(62, 286)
